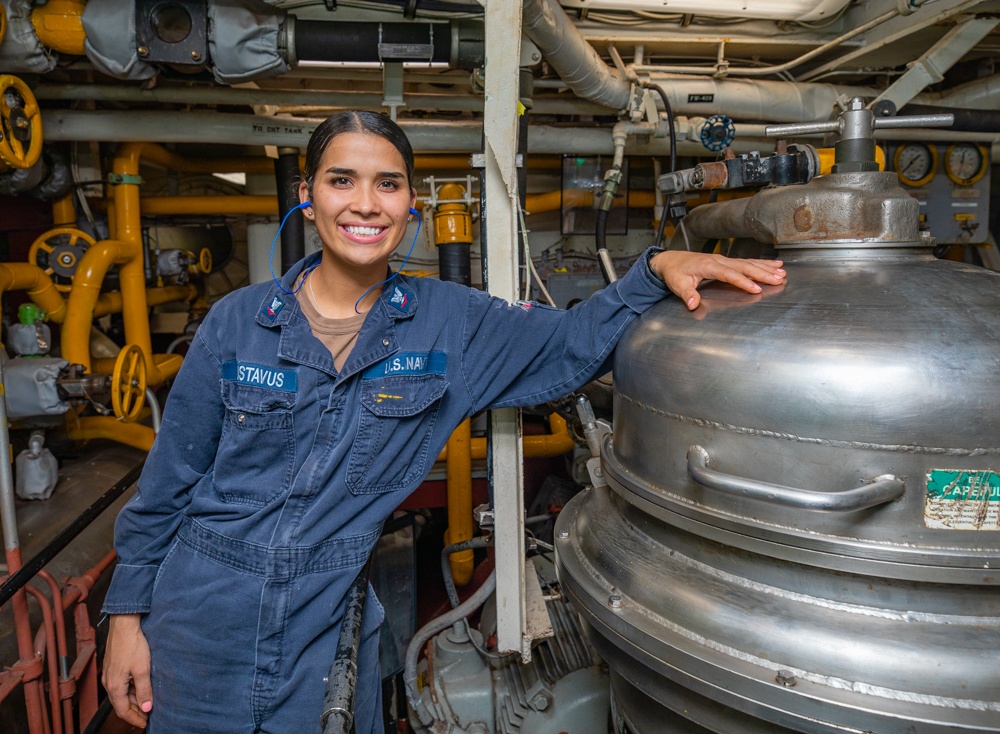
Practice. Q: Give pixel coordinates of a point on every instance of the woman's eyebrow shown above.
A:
(351, 172)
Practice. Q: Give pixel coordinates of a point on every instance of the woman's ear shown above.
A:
(304, 199)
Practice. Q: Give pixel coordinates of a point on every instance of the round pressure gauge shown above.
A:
(965, 163)
(915, 163)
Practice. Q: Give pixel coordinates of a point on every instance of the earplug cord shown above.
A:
(406, 259)
(274, 242)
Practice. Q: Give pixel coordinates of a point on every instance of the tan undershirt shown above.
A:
(337, 335)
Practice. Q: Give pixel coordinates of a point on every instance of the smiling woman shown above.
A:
(297, 425)
(358, 184)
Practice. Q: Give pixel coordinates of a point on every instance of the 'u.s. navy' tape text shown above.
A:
(409, 363)
(259, 375)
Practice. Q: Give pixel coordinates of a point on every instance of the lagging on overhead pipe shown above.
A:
(256, 40)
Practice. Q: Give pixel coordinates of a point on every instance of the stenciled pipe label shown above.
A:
(960, 499)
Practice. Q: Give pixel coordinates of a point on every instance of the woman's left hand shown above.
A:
(682, 272)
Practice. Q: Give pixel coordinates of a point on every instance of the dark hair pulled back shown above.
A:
(356, 121)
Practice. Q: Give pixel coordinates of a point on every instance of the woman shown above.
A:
(304, 413)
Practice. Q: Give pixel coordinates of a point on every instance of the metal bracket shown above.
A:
(392, 87)
(124, 178)
(478, 160)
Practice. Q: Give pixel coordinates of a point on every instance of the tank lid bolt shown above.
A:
(563, 534)
(615, 600)
(143, 50)
(785, 678)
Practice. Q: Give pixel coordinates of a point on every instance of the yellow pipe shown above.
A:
(552, 200)
(131, 273)
(153, 153)
(59, 25)
(556, 443)
(112, 302)
(31, 278)
(84, 295)
(91, 427)
(158, 205)
(64, 211)
(168, 364)
(459, 474)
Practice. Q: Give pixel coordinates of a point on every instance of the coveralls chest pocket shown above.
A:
(394, 432)
(256, 454)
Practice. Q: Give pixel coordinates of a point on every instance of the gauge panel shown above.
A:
(951, 183)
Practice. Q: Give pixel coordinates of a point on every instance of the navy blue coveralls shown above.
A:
(272, 474)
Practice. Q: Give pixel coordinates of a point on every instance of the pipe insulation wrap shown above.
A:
(243, 40)
(21, 52)
(575, 60)
(111, 42)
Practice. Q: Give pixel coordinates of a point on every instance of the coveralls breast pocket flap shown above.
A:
(397, 420)
(256, 454)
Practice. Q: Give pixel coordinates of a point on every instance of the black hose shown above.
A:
(601, 240)
(99, 717)
(342, 682)
(446, 553)
(286, 174)
(673, 156)
(976, 121)
(27, 572)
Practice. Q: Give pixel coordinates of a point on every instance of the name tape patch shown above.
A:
(259, 375)
(409, 363)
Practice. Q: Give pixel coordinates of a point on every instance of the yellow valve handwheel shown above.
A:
(20, 124)
(64, 247)
(205, 260)
(128, 384)
(3, 22)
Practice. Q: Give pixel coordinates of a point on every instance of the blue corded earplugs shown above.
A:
(414, 212)
(274, 242)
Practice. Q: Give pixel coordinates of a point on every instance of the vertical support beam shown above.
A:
(503, 51)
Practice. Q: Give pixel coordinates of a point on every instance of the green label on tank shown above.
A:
(962, 499)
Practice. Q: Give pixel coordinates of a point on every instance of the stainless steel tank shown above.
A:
(799, 530)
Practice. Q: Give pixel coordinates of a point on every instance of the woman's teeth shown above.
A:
(364, 231)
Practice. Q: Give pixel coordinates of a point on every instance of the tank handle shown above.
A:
(881, 490)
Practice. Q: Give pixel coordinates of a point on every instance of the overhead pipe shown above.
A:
(981, 94)
(722, 66)
(426, 136)
(573, 58)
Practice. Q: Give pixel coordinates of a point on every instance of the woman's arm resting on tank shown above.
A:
(683, 271)
(126, 670)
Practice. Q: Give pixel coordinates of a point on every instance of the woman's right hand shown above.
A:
(126, 670)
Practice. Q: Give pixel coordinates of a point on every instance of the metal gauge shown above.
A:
(965, 163)
(915, 163)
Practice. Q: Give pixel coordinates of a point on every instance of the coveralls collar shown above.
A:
(398, 299)
(376, 340)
